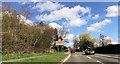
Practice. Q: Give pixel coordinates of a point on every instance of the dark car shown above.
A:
(89, 51)
(72, 50)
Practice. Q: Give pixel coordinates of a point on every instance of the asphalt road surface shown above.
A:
(81, 58)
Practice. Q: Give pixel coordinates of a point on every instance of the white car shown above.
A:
(89, 51)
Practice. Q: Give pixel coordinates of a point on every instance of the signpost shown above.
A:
(59, 44)
(105, 40)
(102, 38)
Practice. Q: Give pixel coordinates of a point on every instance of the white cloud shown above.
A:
(23, 2)
(96, 26)
(47, 6)
(26, 2)
(96, 16)
(69, 36)
(70, 39)
(112, 11)
(22, 19)
(26, 21)
(115, 43)
(106, 39)
(35, 0)
(55, 25)
(70, 14)
(77, 22)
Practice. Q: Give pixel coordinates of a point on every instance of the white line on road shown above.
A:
(100, 62)
(97, 60)
(67, 58)
(107, 55)
(89, 57)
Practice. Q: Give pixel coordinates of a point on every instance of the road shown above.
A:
(81, 58)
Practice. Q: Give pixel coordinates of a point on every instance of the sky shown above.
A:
(77, 18)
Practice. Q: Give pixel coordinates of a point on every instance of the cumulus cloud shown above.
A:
(26, 2)
(96, 16)
(22, 19)
(55, 25)
(70, 14)
(26, 21)
(97, 26)
(35, 0)
(69, 37)
(112, 11)
(47, 6)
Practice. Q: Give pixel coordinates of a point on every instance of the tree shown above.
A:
(76, 42)
(85, 41)
(96, 42)
(18, 37)
(26, 11)
(41, 23)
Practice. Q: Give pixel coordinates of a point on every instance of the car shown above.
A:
(89, 51)
(72, 50)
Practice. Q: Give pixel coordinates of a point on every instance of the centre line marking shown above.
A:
(89, 57)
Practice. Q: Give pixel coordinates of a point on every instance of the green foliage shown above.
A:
(86, 41)
(76, 42)
(20, 38)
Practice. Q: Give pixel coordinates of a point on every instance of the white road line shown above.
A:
(97, 60)
(67, 58)
(107, 56)
(89, 57)
(100, 62)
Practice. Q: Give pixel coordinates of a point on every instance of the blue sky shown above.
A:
(78, 17)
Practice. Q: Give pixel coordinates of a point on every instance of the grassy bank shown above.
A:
(45, 57)
(54, 57)
(18, 56)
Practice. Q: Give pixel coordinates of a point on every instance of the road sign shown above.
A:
(109, 41)
(60, 42)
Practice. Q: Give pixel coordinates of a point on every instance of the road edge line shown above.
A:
(99, 62)
(66, 58)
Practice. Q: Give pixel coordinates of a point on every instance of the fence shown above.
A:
(109, 49)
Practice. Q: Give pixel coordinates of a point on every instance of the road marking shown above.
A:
(67, 58)
(107, 56)
(100, 62)
(89, 57)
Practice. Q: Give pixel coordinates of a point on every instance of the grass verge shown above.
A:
(45, 57)
(54, 57)
(18, 56)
